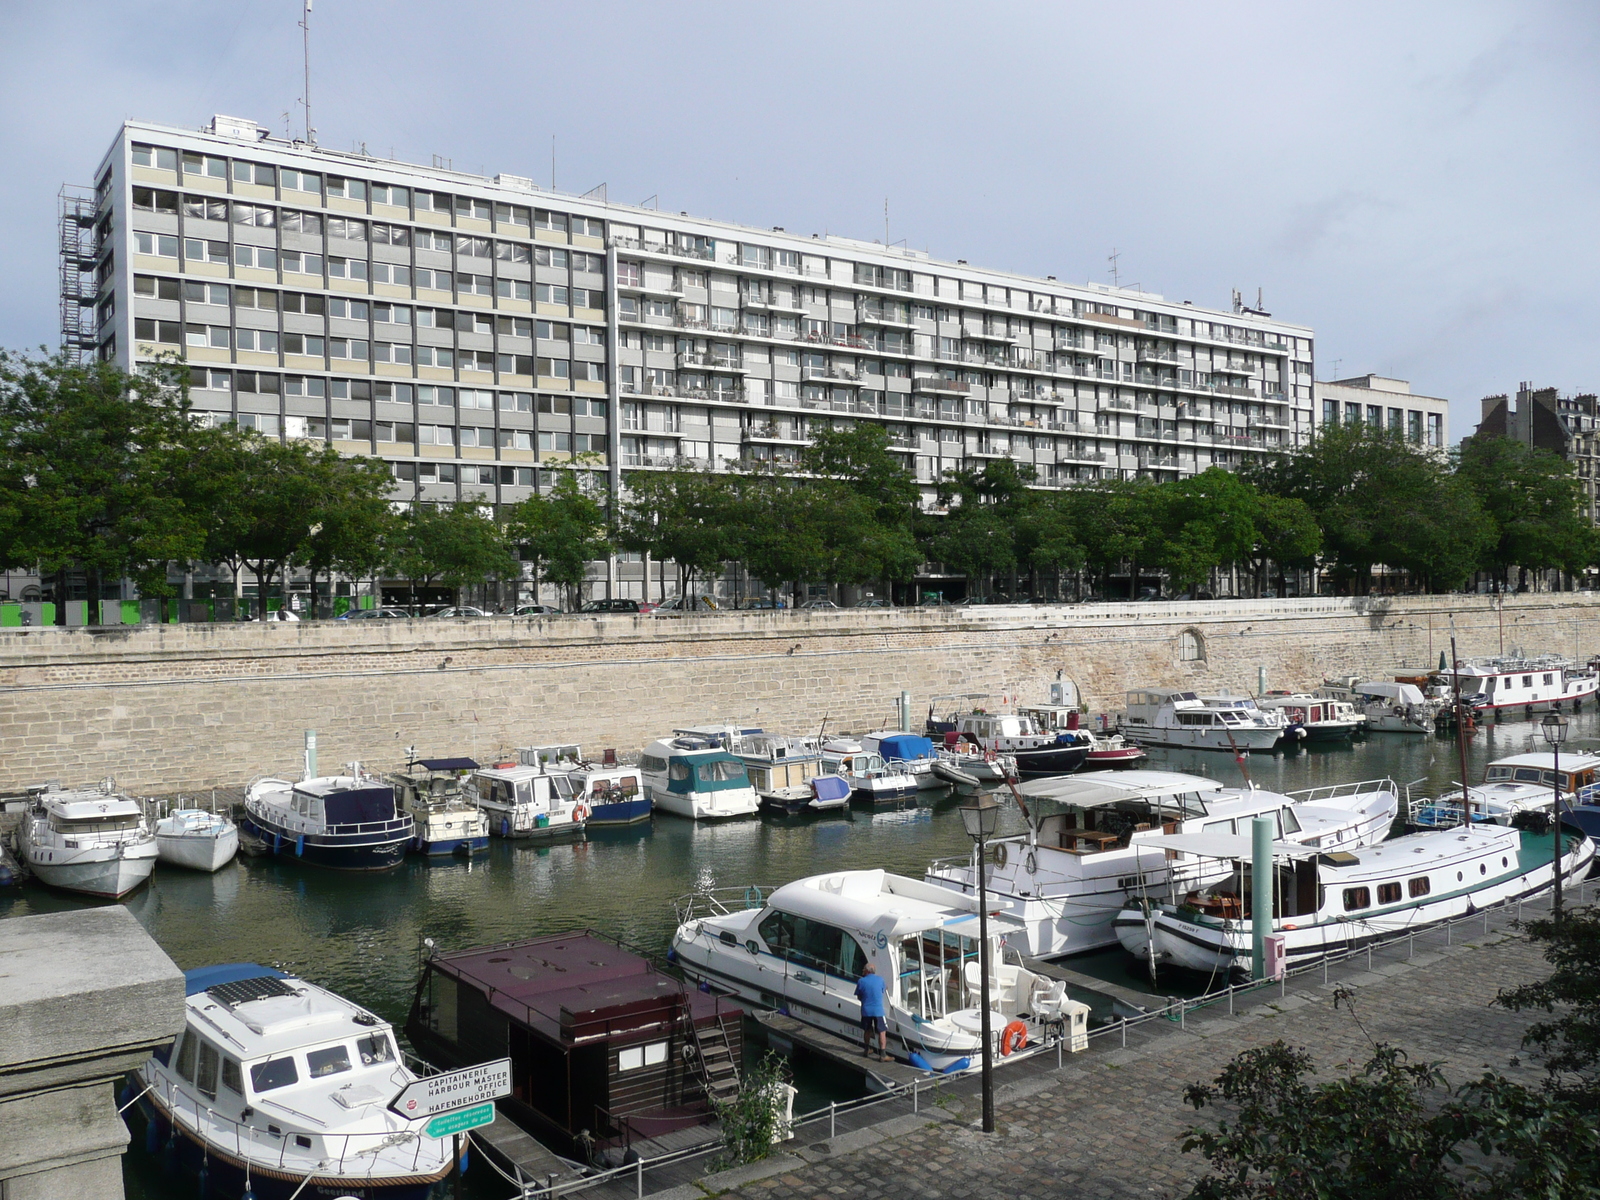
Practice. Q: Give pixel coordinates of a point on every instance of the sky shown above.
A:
(1417, 182)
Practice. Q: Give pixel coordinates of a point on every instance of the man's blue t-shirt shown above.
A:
(869, 990)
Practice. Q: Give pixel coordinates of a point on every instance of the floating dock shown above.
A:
(521, 1154)
(1138, 1002)
(785, 1033)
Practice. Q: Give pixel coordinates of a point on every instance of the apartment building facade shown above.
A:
(1546, 419)
(476, 333)
(1383, 403)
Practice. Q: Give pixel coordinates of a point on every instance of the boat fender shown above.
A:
(1014, 1037)
(1032, 863)
(463, 1162)
(152, 1135)
(249, 1193)
(1002, 854)
(203, 1182)
(505, 827)
(705, 987)
(672, 956)
(960, 1064)
(300, 846)
(918, 1061)
(580, 813)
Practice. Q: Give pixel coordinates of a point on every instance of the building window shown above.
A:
(1436, 430)
(1352, 414)
(1330, 412)
(1414, 427)
(1191, 646)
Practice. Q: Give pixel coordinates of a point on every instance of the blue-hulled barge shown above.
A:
(346, 822)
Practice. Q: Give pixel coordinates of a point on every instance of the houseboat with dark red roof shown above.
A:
(606, 1050)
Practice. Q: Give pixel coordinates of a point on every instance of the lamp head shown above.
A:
(981, 818)
(1554, 728)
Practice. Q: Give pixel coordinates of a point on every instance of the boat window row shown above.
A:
(933, 971)
(805, 942)
(95, 824)
(1357, 898)
(718, 771)
(634, 1058)
(649, 762)
(201, 1063)
(1503, 774)
(1284, 819)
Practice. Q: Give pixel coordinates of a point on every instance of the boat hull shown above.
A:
(199, 852)
(451, 847)
(338, 852)
(621, 812)
(1258, 740)
(103, 873)
(1050, 760)
(708, 806)
(882, 791)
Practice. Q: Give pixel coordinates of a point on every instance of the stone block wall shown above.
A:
(180, 707)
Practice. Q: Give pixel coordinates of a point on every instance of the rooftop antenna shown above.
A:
(305, 45)
(1116, 275)
(552, 162)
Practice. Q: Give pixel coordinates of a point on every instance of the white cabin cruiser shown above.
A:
(92, 841)
(525, 802)
(801, 949)
(771, 760)
(1336, 902)
(277, 1085)
(1317, 718)
(1531, 684)
(446, 822)
(1516, 784)
(1035, 751)
(1105, 749)
(1169, 717)
(695, 776)
(870, 777)
(1065, 880)
(196, 838)
(908, 753)
(1393, 707)
(615, 794)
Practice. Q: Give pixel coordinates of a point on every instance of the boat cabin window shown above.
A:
(720, 772)
(524, 792)
(562, 786)
(1218, 827)
(813, 944)
(187, 1053)
(932, 980)
(232, 1079)
(375, 1049)
(1287, 822)
(1526, 775)
(1496, 774)
(1357, 897)
(649, 762)
(330, 1060)
(1388, 893)
(1527, 681)
(633, 1058)
(96, 824)
(679, 770)
(1419, 886)
(205, 1078)
(626, 786)
(272, 1074)
(1194, 718)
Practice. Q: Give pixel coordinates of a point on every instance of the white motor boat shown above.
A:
(1519, 783)
(446, 822)
(1530, 684)
(696, 776)
(281, 1087)
(525, 802)
(1169, 717)
(802, 948)
(1391, 707)
(614, 794)
(870, 777)
(196, 838)
(1105, 749)
(773, 761)
(1330, 904)
(95, 842)
(1315, 718)
(908, 753)
(1035, 751)
(1065, 880)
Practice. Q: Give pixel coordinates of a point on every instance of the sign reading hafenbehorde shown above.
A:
(454, 1089)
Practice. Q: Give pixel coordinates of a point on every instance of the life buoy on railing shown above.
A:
(1013, 1037)
(580, 812)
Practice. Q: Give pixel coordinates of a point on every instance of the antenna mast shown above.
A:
(1116, 275)
(305, 49)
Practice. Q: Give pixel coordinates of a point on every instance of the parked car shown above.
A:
(822, 604)
(537, 610)
(677, 604)
(616, 606)
(282, 614)
(460, 610)
(761, 602)
(374, 614)
(870, 603)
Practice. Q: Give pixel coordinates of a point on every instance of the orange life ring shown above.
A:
(1013, 1037)
(580, 812)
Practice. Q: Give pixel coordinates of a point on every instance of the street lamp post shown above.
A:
(1554, 728)
(982, 820)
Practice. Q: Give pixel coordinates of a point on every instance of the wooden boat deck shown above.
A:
(881, 1075)
(519, 1153)
(1138, 1001)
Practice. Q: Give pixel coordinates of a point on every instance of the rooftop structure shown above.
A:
(1383, 403)
(1547, 420)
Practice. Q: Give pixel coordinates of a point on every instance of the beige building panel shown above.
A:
(591, 314)
(254, 191)
(439, 296)
(518, 456)
(214, 270)
(352, 449)
(474, 225)
(550, 235)
(479, 453)
(436, 374)
(473, 300)
(553, 310)
(204, 183)
(595, 388)
(392, 370)
(304, 362)
(516, 381)
(427, 216)
(550, 383)
(254, 358)
(391, 291)
(357, 287)
(390, 212)
(510, 304)
(254, 275)
(591, 243)
(207, 354)
(346, 205)
(450, 452)
(154, 175)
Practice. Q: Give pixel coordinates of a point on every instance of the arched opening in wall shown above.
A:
(1191, 646)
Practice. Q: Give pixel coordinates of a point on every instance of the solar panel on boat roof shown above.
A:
(242, 991)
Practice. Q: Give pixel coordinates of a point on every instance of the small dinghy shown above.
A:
(197, 839)
(821, 793)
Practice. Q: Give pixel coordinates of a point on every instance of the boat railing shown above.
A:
(327, 1153)
(720, 902)
(1336, 790)
(358, 827)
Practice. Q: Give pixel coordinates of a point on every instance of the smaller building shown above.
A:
(1547, 420)
(1383, 403)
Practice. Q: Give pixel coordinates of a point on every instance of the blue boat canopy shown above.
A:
(907, 747)
(447, 764)
(201, 978)
(830, 787)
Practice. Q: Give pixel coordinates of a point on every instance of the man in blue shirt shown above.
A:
(869, 990)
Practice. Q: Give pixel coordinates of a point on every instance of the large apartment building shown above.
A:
(475, 331)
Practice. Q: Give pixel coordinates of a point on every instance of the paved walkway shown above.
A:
(1108, 1124)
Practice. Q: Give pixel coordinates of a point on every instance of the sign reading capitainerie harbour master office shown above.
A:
(454, 1089)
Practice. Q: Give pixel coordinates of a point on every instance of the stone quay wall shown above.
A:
(165, 708)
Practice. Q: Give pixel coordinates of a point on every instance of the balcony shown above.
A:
(689, 252)
(772, 434)
(665, 462)
(829, 375)
(710, 362)
(1154, 354)
(1231, 369)
(869, 316)
(992, 335)
(941, 387)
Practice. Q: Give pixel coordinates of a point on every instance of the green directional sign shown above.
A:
(461, 1120)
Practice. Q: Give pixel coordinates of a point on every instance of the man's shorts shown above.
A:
(874, 1025)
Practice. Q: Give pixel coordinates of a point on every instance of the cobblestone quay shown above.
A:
(1108, 1124)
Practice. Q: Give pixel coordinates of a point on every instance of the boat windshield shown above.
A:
(722, 771)
(932, 969)
(96, 824)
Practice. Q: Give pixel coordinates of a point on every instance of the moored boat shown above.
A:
(446, 823)
(196, 838)
(280, 1088)
(1318, 718)
(1329, 903)
(522, 802)
(1529, 684)
(908, 753)
(695, 776)
(1035, 751)
(819, 794)
(1105, 749)
(346, 822)
(1516, 784)
(94, 841)
(1064, 880)
(614, 794)
(1173, 717)
(870, 778)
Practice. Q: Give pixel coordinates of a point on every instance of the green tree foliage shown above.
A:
(682, 515)
(752, 1122)
(563, 532)
(1534, 504)
(1570, 1043)
(450, 545)
(1391, 1130)
(1286, 534)
(97, 468)
(1199, 524)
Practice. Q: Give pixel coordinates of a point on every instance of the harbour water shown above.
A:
(360, 934)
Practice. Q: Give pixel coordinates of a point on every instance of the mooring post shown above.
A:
(832, 1105)
(1124, 1033)
(916, 1099)
(638, 1175)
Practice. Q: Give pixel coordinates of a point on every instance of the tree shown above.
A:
(1570, 1043)
(1389, 1131)
(1534, 503)
(1201, 523)
(353, 518)
(451, 545)
(1286, 536)
(682, 515)
(859, 457)
(1114, 519)
(98, 466)
(561, 533)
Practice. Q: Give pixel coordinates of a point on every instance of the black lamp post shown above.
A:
(1554, 728)
(982, 821)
